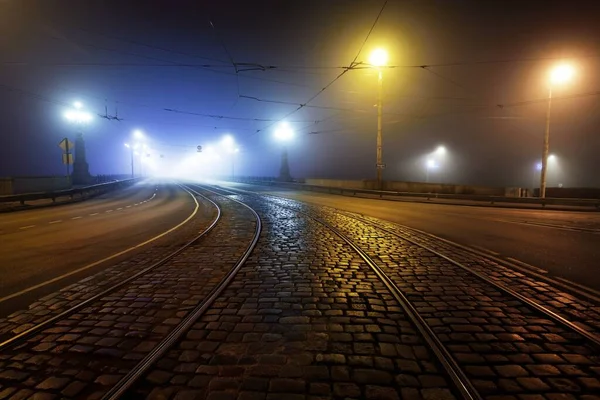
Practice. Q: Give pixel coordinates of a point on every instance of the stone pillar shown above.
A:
(284, 170)
(81, 173)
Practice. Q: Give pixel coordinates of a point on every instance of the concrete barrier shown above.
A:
(416, 187)
(82, 192)
(33, 184)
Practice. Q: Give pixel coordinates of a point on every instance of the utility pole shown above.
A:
(380, 165)
(546, 148)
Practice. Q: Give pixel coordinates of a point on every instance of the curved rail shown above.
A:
(120, 389)
(571, 287)
(459, 379)
(527, 300)
(79, 306)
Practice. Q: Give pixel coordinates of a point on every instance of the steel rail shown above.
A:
(503, 288)
(79, 306)
(527, 300)
(461, 382)
(120, 389)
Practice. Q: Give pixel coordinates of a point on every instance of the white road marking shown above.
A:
(128, 206)
(27, 227)
(120, 208)
(76, 217)
(58, 278)
(108, 211)
(91, 215)
(55, 222)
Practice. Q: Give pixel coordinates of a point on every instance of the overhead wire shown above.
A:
(350, 66)
(313, 106)
(150, 46)
(233, 63)
(226, 117)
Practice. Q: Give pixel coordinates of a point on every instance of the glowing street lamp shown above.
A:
(378, 59)
(137, 148)
(138, 134)
(77, 115)
(284, 134)
(228, 141)
(559, 75)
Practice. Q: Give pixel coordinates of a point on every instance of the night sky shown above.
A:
(455, 62)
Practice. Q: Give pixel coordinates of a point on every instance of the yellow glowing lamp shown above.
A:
(379, 58)
(562, 74)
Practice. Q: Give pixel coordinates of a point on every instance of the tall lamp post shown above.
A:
(558, 75)
(379, 59)
(538, 168)
(131, 151)
(284, 134)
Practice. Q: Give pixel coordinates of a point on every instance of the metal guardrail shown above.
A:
(87, 191)
(593, 203)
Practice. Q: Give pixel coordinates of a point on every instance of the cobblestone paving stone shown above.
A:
(508, 350)
(305, 318)
(84, 355)
(585, 312)
(62, 300)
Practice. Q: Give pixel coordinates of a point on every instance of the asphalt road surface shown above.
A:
(39, 245)
(564, 243)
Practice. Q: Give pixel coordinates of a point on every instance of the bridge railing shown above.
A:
(592, 203)
(82, 192)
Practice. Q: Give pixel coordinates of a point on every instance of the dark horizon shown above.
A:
(457, 61)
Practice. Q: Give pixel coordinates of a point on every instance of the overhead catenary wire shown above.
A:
(231, 60)
(150, 46)
(350, 66)
(313, 106)
(227, 117)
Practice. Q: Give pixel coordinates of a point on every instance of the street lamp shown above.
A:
(138, 149)
(379, 59)
(284, 134)
(228, 141)
(559, 75)
(131, 151)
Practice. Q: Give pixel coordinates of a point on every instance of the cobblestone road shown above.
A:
(85, 354)
(585, 312)
(305, 318)
(501, 343)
